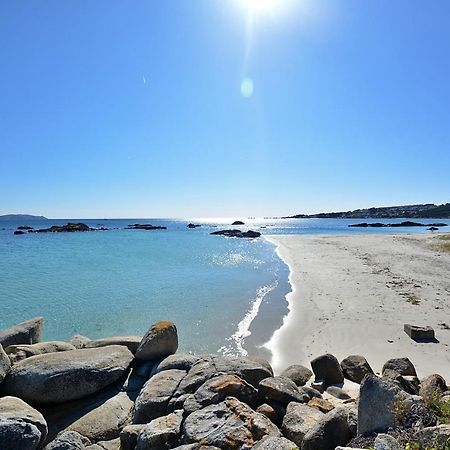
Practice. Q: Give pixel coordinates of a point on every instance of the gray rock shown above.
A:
(129, 436)
(262, 362)
(17, 418)
(63, 376)
(20, 352)
(5, 364)
(114, 444)
(338, 393)
(439, 435)
(382, 405)
(311, 392)
(230, 424)
(352, 418)
(178, 361)
(419, 333)
(161, 340)
(268, 411)
(386, 442)
(161, 433)
(153, 400)
(18, 435)
(328, 369)
(282, 390)
(70, 440)
(274, 443)
(28, 332)
(355, 368)
(329, 432)
(196, 447)
(402, 366)
(299, 419)
(298, 374)
(217, 389)
(432, 384)
(79, 341)
(131, 342)
(105, 422)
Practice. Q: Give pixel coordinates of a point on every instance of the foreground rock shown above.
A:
(230, 424)
(161, 340)
(282, 390)
(29, 332)
(355, 368)
(18, 353)
(300, 375)
(274, 443)
(401, 366)
(327, 369)
(382, 405)
(299, 419)
(21, 426)
(131, 342)
(237, 233)
(330, 431)
(64, 376)
(5, 364)
(69, 440)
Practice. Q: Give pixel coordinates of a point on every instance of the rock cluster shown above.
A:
(237, 233)
(133, 393)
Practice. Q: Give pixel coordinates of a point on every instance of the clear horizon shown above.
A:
(218, 108)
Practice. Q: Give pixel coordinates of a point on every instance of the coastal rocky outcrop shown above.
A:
(406, 223)
(238, 222)
(193, 225)
(144, 226)
(132, 393)
(69, 227)
(237, 233)
(28, 332)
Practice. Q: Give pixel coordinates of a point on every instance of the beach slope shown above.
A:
(352, 295)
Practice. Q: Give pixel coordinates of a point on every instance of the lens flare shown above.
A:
(247, 87)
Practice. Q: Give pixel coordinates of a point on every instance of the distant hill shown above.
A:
(25, 217)
(424, 211)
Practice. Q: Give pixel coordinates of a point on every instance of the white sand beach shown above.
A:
(352, 294)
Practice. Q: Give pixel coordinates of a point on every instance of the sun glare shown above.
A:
(261, 5)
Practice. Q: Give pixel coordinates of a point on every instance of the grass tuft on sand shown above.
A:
(443, 243)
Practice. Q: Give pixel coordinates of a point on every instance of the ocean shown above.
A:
(225, 295)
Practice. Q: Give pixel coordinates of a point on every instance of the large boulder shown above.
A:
(161, 433)
(282, 390)
(355, 368)
(131, 342)
(63, 376)
(106, 421)
(328, 369)
(28, 332)
(161, 340)
(129, 436)
(402, 366)
(179, 361)
(19, 352)
(154, 398)
(432, 384)
(230, 424)
(274, 443)
(5, 364)
(382, 405)
(330, 431)
(298, 374)
(69, 440)
(298, 420)
(21, 426)
(217, 389)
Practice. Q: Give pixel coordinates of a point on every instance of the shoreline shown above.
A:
(352, 294)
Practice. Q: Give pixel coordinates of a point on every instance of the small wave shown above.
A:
(235, 259)
(236, 348)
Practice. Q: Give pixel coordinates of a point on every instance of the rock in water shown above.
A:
(161, 340)
(29, 332)
(230, 424)
(21, 426)
(298, 374)
(355, 368)
(5, 364)
(63, 376)
(328, 369)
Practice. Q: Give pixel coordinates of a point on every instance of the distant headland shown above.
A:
(21, 217)
(424, 211)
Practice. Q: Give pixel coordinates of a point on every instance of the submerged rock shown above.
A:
(63, 376)
(29, 332)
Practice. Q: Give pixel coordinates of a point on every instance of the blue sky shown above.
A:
(134, 109)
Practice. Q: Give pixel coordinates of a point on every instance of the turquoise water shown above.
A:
(225, 295)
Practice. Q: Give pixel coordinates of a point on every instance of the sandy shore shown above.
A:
(352, 295)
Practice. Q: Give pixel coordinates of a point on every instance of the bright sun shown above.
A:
(261, 5)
